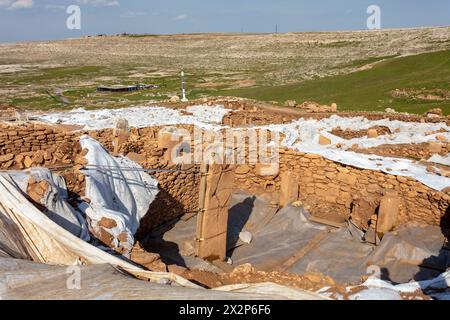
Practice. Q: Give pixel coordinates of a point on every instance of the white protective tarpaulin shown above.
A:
(301, 135)
(54, 199)
(117, 188)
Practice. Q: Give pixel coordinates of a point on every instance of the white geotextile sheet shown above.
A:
(377, 289)
(401, 132)
(436, 158)
(44, 241)
(117, 188)
(301, 135)
(22, 280)
(139, 117)
(394, 166)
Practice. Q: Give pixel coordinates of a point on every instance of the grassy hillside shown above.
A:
(421, 82)
(369, 89)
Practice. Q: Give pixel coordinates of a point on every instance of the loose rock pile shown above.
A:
(420, 151)
(434, 113)
(372, 132)
(314, 107)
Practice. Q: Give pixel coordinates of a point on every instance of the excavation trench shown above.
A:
(312, 223)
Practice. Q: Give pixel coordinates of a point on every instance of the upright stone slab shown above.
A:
(168, 140)
(388, 212)
(212, 222)
(121, 134)
(289, 188)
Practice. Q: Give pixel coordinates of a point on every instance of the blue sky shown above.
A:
(46, 19)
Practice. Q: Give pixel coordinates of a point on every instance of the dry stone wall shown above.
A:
(35, 144)
(31, 144)
(327, 188)
(330, 189)
(27, 145)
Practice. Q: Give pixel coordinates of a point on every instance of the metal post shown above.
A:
(183, 87)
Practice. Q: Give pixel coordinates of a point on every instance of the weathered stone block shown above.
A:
(388, 212)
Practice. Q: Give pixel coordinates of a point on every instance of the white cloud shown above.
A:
(100, 3)
(17, 4)
(55, 6)
(180, 17)
(133, 14)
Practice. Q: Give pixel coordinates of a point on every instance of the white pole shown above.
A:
(183, 87)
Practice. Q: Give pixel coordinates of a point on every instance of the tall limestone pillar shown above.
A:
(216, 188)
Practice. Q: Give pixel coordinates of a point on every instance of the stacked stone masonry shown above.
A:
(324, 186)
(330, 188)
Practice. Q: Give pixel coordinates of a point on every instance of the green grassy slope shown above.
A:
(369, 89)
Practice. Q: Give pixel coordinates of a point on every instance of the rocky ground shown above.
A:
(284, 57)
(38, 74)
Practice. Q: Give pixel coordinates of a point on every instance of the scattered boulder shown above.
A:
(334, 107)
(297, 204)
(309, 106)
(267, 170)
(37, 158)
(243, 169)
(324, 140)
(105, 237)
(179, 270)
(444, 172)
(390, 110)
(8, 164)
(19, 160)
(372, 133)
(319, 278)
(314, 107)
(107, 223)
(243, 269)
(434, 113)
(37, 189)
(149, 260)
(435, 147)
(27, 162)
(136, 157)
(6, 157)
(174, 99)
(80, 160)
(290, 103)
